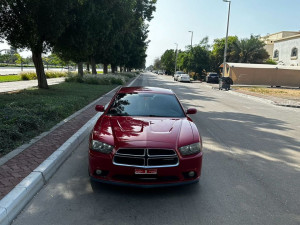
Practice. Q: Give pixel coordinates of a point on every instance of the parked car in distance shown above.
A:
(177, 73)
(184, 78)
(160, 72)
(212, 78)
(70, 68)
(145, 138)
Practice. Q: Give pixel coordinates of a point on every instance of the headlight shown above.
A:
(101, 147)
(190, 149)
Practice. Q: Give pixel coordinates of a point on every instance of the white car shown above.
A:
(184, 78)
(176, 75)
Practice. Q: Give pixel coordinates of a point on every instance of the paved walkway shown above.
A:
(19, 85)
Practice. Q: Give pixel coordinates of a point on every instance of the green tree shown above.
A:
(18, 58)
(76, 42)
(183, 60)
(168, 61)
(195, 59)
(157, 64)
(35, 25)
(5, 58)
(217, 53)
(124, 40)
(199, 59)
(249, 50)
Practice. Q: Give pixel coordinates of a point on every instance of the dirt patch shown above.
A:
(284, 93)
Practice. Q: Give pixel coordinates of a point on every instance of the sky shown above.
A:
(174, 18)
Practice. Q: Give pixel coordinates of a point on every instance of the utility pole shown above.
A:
(191, 48)
(226, 40)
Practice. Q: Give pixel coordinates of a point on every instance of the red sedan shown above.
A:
(145, 138)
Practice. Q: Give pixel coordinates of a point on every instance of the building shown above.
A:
(286, 51)
(263, 74)
(283, 47)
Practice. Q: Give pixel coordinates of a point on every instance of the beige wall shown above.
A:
(258, 76)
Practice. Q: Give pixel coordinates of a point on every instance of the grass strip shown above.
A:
(9, 78)
(30, 112)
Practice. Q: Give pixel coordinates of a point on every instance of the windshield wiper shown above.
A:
(151, 115)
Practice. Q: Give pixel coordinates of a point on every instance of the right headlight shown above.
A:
(101, 147)
(191, 149)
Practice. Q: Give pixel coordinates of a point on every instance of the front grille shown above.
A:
(146, 158)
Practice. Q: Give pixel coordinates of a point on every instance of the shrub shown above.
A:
(270, 61)
(54, 74)
(49, 74)
(28, 76)
(115, 80)
(108, 79)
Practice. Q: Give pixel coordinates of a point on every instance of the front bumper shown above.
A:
(185, 80)
(124, 175)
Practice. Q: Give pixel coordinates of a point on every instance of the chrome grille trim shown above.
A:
(161, 157)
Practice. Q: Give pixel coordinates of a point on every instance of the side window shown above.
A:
(276, 54)
(294, 52)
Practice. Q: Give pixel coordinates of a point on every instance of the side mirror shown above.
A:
(191, 111)
(99, 108)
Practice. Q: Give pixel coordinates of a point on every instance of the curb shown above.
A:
(14, 202)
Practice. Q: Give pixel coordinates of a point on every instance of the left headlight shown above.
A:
(191, 149)
(101, 147)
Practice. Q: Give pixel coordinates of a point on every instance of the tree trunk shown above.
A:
(105, 68)
(39, 68)
(93, 64)
(113, 68)
(88, 67)
(80, 70)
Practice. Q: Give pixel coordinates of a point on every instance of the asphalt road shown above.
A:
(251, 172)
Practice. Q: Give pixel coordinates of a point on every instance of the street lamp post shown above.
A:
(191, 45)
(176, 53)
(191, 38)
(226, 40)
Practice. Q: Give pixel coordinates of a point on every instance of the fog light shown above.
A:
(98, 172)
(191, 174)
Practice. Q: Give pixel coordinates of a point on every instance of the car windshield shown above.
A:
(213, 75)
(140, 104)
(179, 72)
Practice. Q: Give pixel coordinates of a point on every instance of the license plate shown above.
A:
(145, 171)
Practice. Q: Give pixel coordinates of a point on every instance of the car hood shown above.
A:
(119, 130)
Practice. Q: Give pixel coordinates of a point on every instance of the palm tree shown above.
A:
(249, 51)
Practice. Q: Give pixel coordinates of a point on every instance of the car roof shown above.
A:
(157, 90)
